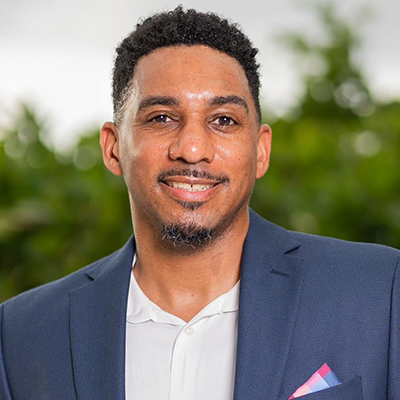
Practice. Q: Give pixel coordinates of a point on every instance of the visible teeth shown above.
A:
(189, 187)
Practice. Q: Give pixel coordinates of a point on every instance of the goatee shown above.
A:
(187, 235)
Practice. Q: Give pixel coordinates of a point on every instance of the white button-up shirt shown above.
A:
(169, 359)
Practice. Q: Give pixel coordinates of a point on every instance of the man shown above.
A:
(220, 303)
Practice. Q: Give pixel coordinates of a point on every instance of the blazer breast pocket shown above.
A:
(350, 390)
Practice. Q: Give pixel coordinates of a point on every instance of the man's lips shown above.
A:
(190, 189)
(191, 185)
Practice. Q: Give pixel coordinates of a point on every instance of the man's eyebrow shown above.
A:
(157, 101)
(232, 99)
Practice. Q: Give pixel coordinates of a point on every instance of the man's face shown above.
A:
(189, 146)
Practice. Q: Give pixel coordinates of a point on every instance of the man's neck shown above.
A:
(183, 283)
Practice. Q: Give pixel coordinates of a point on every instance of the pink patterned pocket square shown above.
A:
(324, 378)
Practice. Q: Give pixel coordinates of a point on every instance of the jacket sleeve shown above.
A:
(4, 388)
(394, 340)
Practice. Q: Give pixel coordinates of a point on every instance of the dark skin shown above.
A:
(190, 108)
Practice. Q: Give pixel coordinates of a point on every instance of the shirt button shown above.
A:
(188, 331)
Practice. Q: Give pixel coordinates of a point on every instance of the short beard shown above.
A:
(185, 235)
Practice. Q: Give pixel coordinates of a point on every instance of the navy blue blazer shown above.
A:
(304, 301)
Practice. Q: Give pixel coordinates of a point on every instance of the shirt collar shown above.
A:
(141, 309)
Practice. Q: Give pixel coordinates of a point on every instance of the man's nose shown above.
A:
(193, 143)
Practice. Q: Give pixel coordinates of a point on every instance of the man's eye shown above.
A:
(225, 121)
(162, 118)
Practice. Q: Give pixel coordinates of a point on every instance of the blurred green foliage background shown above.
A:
(335, 171)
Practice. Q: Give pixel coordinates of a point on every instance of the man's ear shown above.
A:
(109, 142)
(263, 150)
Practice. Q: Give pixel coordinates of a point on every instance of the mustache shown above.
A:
(192, 173)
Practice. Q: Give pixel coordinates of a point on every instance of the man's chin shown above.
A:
(196, 228)
(189, 236)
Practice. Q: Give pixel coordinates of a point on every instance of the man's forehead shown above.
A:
(198, 72)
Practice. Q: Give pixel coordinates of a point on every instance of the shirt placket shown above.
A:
(184, 361)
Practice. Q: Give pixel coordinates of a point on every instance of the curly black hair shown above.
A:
(180, 27)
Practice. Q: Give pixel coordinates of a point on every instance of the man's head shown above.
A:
(180, 27)
(188, 138)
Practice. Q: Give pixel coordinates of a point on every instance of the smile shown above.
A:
(190, 187)
(185, 189)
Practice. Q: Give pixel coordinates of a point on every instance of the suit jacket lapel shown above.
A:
(97, 328)
(270, 287)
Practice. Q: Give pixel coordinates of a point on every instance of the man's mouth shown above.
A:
(190, 186)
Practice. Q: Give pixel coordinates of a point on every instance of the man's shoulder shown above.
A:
(327, 251)
(55, 294)
(337, 247)
(54, 289)
(38, 323)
